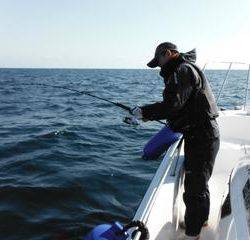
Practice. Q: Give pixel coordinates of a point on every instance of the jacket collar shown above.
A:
(170, 67)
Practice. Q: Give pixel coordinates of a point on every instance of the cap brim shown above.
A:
(153, 63)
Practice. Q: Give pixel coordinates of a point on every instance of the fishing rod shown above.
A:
(118, 104)
(80, 92)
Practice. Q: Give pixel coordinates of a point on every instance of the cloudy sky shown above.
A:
(118, 33)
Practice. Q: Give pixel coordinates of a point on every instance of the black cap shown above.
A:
(161, 50)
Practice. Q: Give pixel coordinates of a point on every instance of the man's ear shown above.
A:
(168, 53)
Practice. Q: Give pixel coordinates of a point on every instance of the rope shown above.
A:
(140, 228)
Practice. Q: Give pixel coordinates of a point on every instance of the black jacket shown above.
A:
(188, 101)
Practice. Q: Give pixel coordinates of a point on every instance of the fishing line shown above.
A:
(118, 104)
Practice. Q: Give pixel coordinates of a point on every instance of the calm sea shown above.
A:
(67, 161)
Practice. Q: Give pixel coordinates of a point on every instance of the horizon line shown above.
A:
(104, 68)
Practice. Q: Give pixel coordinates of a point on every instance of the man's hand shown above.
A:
(137, 113)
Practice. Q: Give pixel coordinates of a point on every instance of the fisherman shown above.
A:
(190, 108)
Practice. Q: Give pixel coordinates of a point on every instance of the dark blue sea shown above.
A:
(67, 161)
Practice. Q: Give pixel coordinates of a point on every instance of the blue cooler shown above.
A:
(107, 232)
(159, 143)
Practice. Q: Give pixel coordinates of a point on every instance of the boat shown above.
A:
(162, 209)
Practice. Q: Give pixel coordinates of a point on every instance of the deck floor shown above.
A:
(233, 148)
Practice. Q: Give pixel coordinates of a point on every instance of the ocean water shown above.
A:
(67, 161)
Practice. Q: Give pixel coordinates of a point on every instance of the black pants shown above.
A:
(200, 149)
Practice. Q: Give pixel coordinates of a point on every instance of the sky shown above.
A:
(120, 34)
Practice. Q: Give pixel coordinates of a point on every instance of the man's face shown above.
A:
(164, 58)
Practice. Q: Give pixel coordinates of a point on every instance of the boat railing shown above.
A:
(225, 80)
(165, 168)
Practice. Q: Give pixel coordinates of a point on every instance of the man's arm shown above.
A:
(176, 94)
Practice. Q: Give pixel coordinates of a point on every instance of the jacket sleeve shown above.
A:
(175, 95)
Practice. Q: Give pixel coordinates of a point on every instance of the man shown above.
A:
(189, 106)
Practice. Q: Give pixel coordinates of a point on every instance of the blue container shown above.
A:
(159, 143)
(107, 232)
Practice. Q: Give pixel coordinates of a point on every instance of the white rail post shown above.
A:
(248, 79)
(204, 67)
(225, 79)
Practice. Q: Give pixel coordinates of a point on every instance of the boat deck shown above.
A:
(163, 214)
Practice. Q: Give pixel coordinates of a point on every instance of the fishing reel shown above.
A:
(131, 120)
(136, 115)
